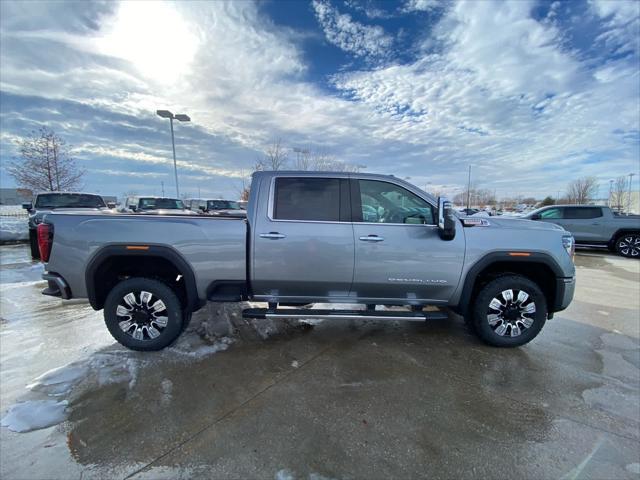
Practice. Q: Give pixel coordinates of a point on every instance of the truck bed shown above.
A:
(214, 247)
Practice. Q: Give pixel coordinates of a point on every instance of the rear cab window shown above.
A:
(582, 213)
(311, 199)
(69, 200)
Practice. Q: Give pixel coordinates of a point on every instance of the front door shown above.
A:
(399, 254)
(303, 246)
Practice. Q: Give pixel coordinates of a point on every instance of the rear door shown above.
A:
(585, 223)
(399, 254)
(303, 244)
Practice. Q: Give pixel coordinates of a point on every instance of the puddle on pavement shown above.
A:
(624, 268)
(128, 407)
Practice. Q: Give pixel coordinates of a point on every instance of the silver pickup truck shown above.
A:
(595, 226)
(310, 237)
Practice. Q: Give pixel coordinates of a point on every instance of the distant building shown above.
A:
(15, 196)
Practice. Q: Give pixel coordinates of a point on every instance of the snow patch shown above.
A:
(284, 474)
(59, 381)
(185, 347)
(13, 229)
(34, 415)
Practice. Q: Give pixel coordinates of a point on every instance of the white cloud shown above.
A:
(482, 99)
(361, 40)
(422, 5)
(622, 24)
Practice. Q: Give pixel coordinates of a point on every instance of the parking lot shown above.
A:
(334, 400)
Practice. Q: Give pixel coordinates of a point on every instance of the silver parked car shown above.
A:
(595, 226)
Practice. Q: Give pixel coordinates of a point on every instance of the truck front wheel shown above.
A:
(143, 314)
(509, 311)
(628, 245)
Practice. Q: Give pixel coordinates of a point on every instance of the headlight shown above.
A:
(569, 244)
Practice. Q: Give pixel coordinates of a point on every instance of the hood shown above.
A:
(521, 224)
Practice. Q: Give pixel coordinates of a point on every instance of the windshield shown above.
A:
(223, 205)
(69, 200)
(160, 203)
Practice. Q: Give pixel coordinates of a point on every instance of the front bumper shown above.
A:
(565, 288)
(57, 286)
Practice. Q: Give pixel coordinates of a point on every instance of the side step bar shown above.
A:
(306, 314)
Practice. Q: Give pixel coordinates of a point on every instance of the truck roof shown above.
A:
(320, 173)
(69, 193)
(360, 175)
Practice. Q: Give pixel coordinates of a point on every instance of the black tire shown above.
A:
(515, 317)
(156, 331)
(628, 245)
(33, 243)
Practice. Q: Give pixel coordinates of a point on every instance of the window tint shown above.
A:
(69, 200)
(153, 203)
(384, 202)
(307, 199)
(552, 213)
(582, 212)
(223, 205)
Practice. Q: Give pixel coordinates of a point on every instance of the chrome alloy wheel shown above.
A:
(510, 313)
(142, 315)
(629, 245)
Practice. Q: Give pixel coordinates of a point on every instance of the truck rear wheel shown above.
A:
(143, 314)
(509, 311)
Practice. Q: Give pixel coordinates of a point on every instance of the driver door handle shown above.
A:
(372, 238)
(273, 235)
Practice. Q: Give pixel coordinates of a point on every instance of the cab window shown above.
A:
(311, 199)
(384, 202)
(552, 213)
(582, 212)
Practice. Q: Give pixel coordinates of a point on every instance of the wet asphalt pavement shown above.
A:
(339, 400)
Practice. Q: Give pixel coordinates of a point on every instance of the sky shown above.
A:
(531, 94)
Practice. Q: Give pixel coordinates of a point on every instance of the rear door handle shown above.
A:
(273, 235)
(372, 238)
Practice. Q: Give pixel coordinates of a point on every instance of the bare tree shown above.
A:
(45, 163)
(275, 158)
(582, 190)
(619, 192)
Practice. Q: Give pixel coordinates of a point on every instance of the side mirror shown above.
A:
(27, 206)
(446, 219)
(111, 204)
(203, 208)
(535, 216)
(133, 208)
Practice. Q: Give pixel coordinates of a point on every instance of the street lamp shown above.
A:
(181, 117)
(631, 175)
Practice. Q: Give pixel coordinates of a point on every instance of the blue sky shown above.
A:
(531, 93)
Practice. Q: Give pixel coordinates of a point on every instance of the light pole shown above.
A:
(469, 188)
(629, 199)
(610, 191)
(181, 117)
